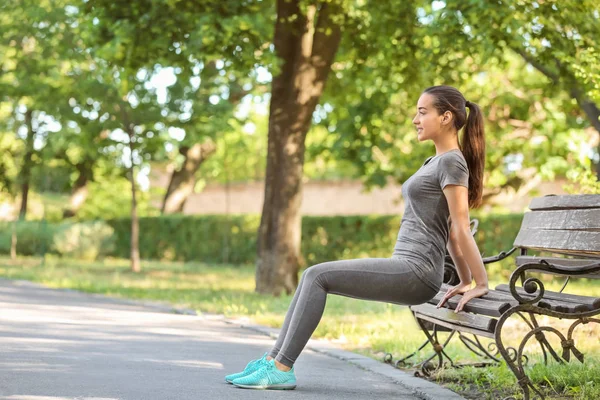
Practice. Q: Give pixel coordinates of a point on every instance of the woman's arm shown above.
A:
(461, 238)
(459, 260)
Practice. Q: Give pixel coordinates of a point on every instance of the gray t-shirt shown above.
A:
(425, 226)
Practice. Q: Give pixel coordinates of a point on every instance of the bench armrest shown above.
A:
(569, 270)
(532, 285)
(501, 256)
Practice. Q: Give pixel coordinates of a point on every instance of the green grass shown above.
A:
(370, 328)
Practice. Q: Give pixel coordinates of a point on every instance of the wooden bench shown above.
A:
(567, 225)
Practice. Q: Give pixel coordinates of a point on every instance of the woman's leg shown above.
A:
(381, 279)
(286, 322)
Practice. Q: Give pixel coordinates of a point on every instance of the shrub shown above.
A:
(33, 237)
(85, 240)
(232, 239)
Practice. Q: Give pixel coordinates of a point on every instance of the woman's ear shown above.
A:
(447, 118)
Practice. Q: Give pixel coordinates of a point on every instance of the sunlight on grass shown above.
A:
(369, 328)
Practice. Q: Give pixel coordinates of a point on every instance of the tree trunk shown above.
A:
(13, 241)
(27, 163)
(135, 224)
(80, 189)
(307, 44)
(183, 180)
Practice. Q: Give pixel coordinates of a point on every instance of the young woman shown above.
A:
(436, 216)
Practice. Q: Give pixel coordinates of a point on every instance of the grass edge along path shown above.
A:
(368, 328)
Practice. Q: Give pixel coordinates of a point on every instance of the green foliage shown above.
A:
(55, 177)
(110, 197)
(211, 47)
(9, 148)
(337, 238)
(90, 67)
(241, 152)
(583, 181)
(585, 66)
(534, 130)
(556, 37)
(34, 237)
(219, 238)
(210, 239)
(90, 240)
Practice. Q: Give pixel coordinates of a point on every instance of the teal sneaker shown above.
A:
(250, 368)
(268, 377)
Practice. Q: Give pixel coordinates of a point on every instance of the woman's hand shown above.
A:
(453, 291)
(466, 291)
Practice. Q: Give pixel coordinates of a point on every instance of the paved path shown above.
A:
(59, 344)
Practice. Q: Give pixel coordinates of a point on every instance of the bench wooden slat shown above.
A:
(578, 220)
(491, 296)
(501, 296)
(564, 306)
(478, 306)
(593, 302)
(567, 263)
(463, 319)
(450, 326)
(565, 242)
(483, 306)
(565, 202)
(558, 303)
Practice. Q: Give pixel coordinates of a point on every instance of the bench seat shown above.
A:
(477, 312)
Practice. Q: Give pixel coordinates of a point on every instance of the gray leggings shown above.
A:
(382, 279)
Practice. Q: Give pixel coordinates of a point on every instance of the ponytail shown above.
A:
(473, 149)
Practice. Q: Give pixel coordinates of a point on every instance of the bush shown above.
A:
(207, 238)
(85, 240)
(218, 239)
(232, 239)
(345, 237)
(33, 237)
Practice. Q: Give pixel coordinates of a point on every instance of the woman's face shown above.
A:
(427, 121)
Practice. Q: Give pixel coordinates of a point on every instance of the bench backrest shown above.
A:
(567, 224)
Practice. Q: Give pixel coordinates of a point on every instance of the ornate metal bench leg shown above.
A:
(439, 348)
(569, 345)
(433, 340)
(522, 379)
(516, 360)
(388, 357)
(477, 347)
(544, 344)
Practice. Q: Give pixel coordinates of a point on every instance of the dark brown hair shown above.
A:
(472, 145)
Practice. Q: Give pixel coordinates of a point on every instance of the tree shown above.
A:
(557, 38)
(137, 38)
(10, 147)
(183, 179)
(35, 48)
(212, 45)
(306, 39)
(128, 110)
(83, 140)
(209, 115)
